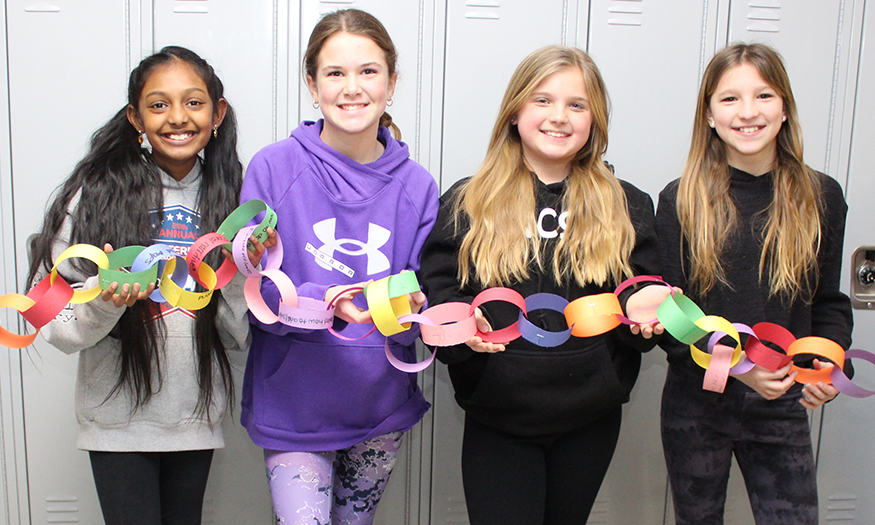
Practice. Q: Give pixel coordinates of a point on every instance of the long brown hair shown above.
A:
(354, 22)
(499, 200)
(791, 237)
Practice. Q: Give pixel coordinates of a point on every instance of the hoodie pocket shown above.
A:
(323, 388)
(550, 384)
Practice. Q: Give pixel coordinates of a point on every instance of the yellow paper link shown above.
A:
(713, 323)
(384, 310)
(207, 276)
(82, 251)
(176, 296)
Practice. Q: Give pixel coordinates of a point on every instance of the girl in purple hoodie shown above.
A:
(352, 207)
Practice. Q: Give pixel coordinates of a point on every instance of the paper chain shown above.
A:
(446, 324)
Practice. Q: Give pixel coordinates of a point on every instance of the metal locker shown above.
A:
(68, 67)
(846, 457)
(651, 55)
(13, 473)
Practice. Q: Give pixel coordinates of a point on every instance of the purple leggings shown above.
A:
(339, 487)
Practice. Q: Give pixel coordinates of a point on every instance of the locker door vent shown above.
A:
(62, 508)
(192, 9)
(491, 12)
(625, 12)
(42, 9)
(764, 16)
(327, 6)
(841, 507)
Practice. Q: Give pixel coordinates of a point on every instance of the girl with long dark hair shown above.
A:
(153, 382)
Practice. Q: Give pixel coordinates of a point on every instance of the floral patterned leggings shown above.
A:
(339, 487)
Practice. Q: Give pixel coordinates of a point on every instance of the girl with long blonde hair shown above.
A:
(751, 234)
(544, 213)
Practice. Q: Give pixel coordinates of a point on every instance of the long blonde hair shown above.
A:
(792, 234)
(498, 202)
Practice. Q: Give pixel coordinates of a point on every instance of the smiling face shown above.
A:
(554, 124)
(177, 115)
(747, 114)
(352, 84)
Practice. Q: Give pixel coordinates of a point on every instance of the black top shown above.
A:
(747, 301)
(528, 389)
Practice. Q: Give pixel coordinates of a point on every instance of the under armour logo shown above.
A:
(377, 237)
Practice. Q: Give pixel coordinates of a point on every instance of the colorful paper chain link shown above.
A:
(446, 324)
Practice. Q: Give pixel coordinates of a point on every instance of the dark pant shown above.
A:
(522, 480)
(771, 441)
(151, 488)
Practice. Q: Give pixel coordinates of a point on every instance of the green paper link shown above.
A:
(245, 213)
(678, 314)
(124, 258)
(400, 284)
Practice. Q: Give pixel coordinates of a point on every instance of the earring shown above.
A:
(513, 121)
(389, 102)
(784, 118)
(315, 104)
(711, 122)
(215, 131)
(140, 136)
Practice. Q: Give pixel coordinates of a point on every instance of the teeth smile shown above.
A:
(750, 129)
(179, 136)
(556, 134)
(352, 107)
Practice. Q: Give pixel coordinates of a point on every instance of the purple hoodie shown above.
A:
(341, 222)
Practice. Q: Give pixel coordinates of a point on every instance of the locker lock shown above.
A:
(866, 273)
(863, 278)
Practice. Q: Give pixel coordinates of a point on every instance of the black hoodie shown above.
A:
(528, 389)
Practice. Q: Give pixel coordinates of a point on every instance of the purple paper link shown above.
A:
(717, 336)
(415, 318)
(156, 254)
(410, 368)
(240, 251)
(274, 255)
(535, 334)
(845, 385)
(545, 301)
(743, 366)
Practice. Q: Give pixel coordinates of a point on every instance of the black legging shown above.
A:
(550, 480)
(151, 488)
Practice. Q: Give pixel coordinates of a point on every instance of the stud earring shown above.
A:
(215, 131)
(315, 104)
(140, 136)
(784, 118)
(389, 102)
(513, 121)
(711, 122)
